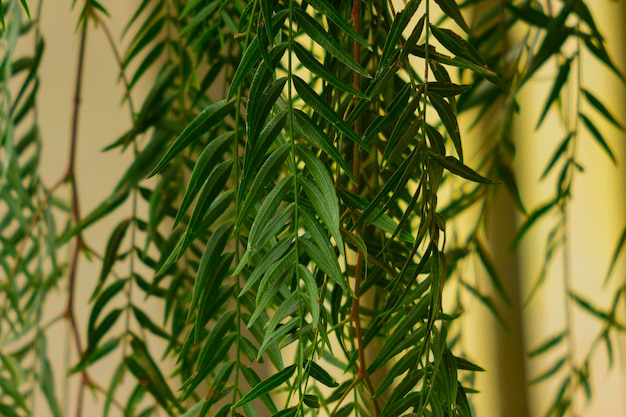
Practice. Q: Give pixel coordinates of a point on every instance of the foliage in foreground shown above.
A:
(302, 210)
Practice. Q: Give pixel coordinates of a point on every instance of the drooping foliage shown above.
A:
(302, 165)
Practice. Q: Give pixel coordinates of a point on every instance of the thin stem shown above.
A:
(75, 210)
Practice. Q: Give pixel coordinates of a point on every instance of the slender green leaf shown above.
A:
(305, 128)
(560, 80)
(451, 9)
(548, 344)
(601, 108)
(595, 133)
(316, 32)
(448, 118)
(312, 294)
(266, 386)
(548, 372)
(530, 220)
(457, 45)
(557, 154)
(488, 262)
(306, 58)
(320, 374)
(327, 263)
(458, 168)
(621, 244)
(317, 104)
(331, 13)
(111, 252)
(263, 179)
(266, 212)
(201, 174)
(202, 123)
(210, 256)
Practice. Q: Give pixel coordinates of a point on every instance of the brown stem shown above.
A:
(75, 207)
(356, 169)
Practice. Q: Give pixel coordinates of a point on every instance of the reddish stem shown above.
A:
(75, 207)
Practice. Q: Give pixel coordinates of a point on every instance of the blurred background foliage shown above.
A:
(310, 201)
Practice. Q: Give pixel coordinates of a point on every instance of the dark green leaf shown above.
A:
(331, 13)
(549, 372)
(316, 32)
(263, 179)
(208, 118)
(530, 220)
(208, 159)
(102, 300)
(310, 131)
(595, 133)
(448, 118)
(618, 249)
(306, 58)
(321, 375)
(548, 344)
(327, 262)
(210, 256)
(320, 107)
(557, 154)
(267, 211)
(457, 45)
(451, 9)
(446, 89)
(487, 261)
(266, 386)
(560, 80)
(458, 168)
(597, 104)
(111, 252)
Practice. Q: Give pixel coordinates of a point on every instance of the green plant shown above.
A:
(303, 210)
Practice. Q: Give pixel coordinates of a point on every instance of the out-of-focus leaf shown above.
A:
(530, 220)
(557, 154)
(148, 373)
(618, 249)
(595, 133)
(549, 372)
(111, 252)
(560, 80)
(104, 208)
(487, 261)
(200, 17)
(548, 344)
(602, 109)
